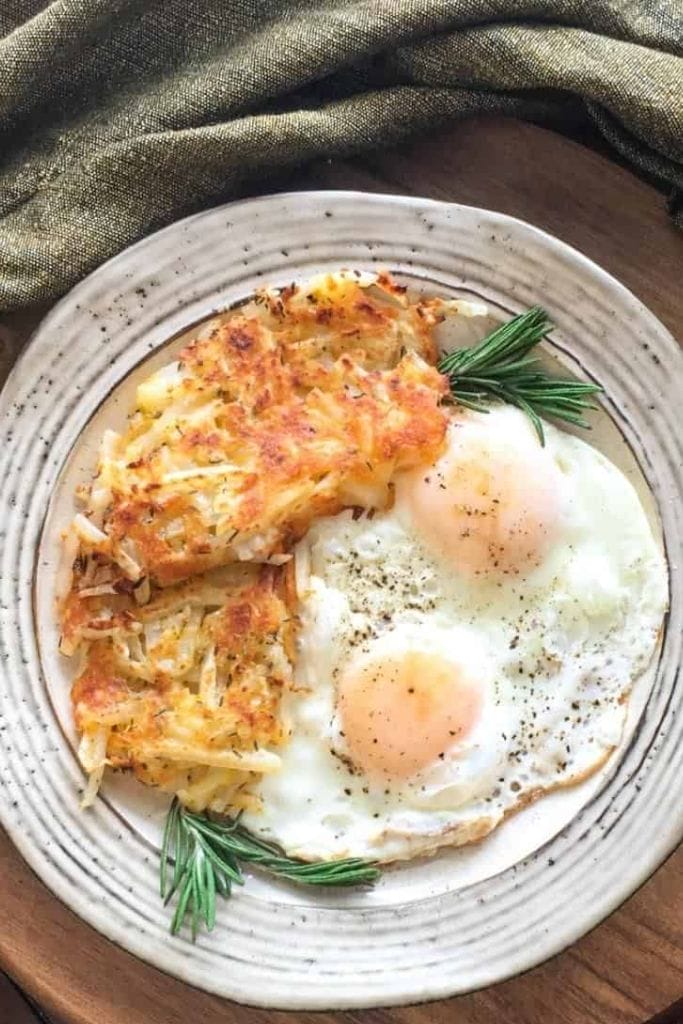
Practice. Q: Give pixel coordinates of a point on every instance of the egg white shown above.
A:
(554, 650)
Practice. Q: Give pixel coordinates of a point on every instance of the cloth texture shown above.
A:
(119, 116)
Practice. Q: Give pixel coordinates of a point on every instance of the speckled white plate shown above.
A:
(466, 918)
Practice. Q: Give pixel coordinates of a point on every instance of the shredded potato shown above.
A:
(303, 402)
(298, 404)
(142, 700)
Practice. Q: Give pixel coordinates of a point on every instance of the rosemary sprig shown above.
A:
(206, 856)
(499, 368)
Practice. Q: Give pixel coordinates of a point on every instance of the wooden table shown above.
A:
(631, 966)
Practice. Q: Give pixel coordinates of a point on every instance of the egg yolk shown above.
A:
(487, 507)
(403, 712)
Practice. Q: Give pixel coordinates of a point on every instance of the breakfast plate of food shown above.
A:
(340, 611)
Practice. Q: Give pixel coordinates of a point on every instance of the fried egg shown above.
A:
(465, 651)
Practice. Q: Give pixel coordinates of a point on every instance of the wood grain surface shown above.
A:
(630, 967)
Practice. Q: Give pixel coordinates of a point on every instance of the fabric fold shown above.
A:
(119, 116)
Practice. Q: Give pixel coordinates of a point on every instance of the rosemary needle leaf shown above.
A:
(207, 855)
(182, 906)
(196, 896)
(210, 900)
(498, 368)
(166, 851)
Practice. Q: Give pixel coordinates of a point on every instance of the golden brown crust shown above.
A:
(303, 458)
(180, 685)
(302, 403)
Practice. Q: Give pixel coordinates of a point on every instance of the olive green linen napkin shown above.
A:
(118, 116)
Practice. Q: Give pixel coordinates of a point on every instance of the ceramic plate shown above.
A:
(433, 928)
